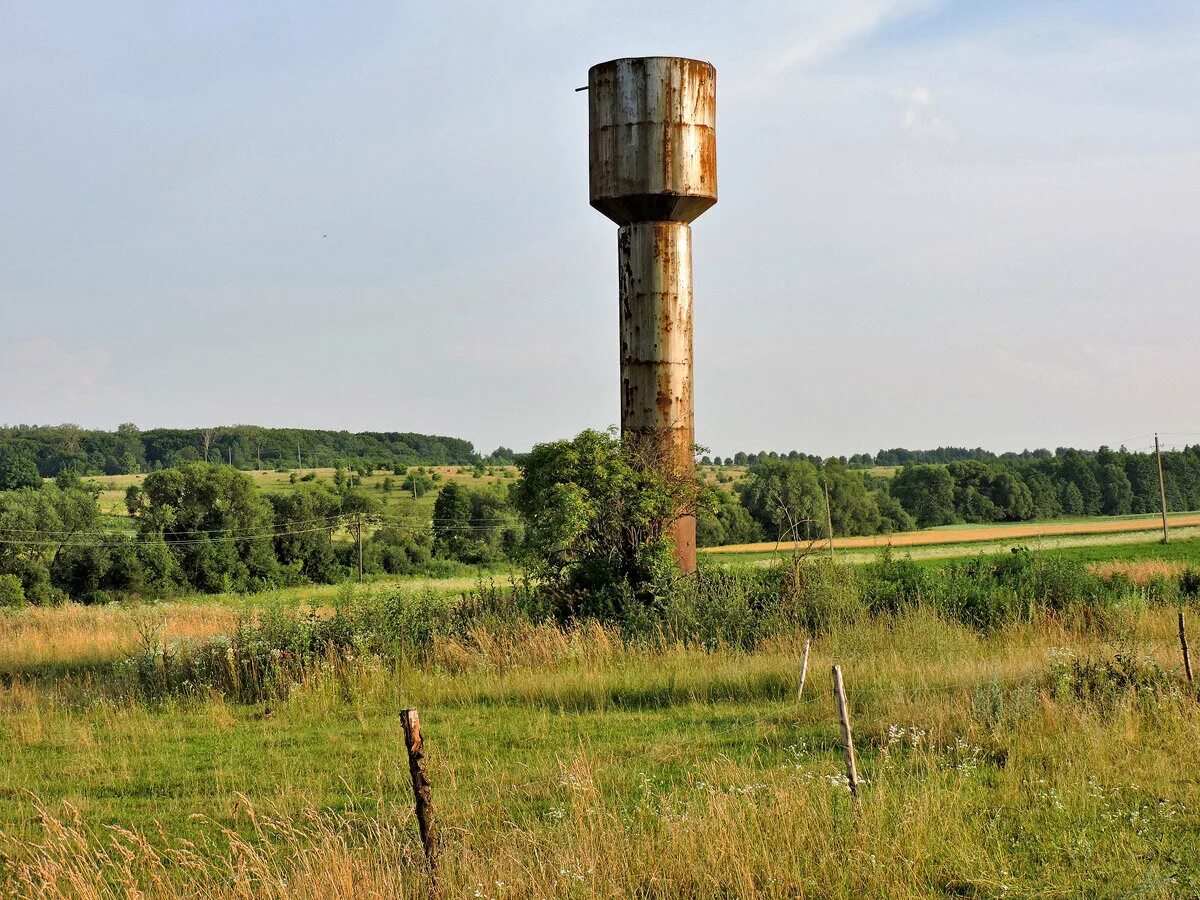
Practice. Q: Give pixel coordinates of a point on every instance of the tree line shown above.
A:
(895, 457)
(55, 449)
(782, 497)
(583, 513)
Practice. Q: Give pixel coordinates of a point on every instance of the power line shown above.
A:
(326, 521)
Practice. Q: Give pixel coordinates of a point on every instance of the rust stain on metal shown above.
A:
(652, 169)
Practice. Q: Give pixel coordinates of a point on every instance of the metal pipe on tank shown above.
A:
(653, 170)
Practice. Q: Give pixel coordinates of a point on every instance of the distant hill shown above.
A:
(55, 448)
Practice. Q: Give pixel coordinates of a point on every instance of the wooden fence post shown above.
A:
(422, 796)
(839, 695)
(1187, 659)
(803, 669)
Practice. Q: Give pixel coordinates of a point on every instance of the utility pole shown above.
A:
(231, 457)
(1162, 488)
(299, 465)
(829, 518)
(358, 531)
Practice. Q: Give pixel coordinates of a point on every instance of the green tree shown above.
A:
(398, 550)
(927, 493)
(786, 498)
(305, 520)
(215, 522)
(852, 506)
(1116, 492)
(12, 592)
(50, 522)
(1044, 494)
(1083, 473)
(1012, 497)
(972, 492)
(18, 471)
(892, 514)
(417, 482)
(721, 520)
(473, 526)
(1070, 498)
(597, 519)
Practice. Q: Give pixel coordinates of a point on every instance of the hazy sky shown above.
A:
(939, 223)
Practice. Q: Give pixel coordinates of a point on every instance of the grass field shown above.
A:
(396, 502)
(1037, 760)
(568, 764)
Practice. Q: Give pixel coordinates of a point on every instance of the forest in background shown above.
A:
(55, 449)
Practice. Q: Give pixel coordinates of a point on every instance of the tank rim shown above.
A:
(620, 59)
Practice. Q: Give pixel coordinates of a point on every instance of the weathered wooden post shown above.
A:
(1187, 657)
(839, 696)
(422, 795)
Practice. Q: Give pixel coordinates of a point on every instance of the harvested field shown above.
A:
(972, 534)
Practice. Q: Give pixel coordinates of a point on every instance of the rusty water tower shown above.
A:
(652, 167)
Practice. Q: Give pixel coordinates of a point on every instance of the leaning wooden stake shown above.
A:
(803, 670)
(1187, 659)
(839, 695)
(420, 784)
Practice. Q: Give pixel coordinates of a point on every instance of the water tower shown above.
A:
(652, 167)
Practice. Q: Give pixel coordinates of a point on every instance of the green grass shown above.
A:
(571, 765)
(1185, 551)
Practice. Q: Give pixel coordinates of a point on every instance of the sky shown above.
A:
(940, 223)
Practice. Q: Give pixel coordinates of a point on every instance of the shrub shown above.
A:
(891, 585)
(740, 607)
(12, 592)
(598, 513)
(815, 597)
(719, 607)
(1189, 584)
(1102, 682)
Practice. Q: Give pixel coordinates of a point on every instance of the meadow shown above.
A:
(1049, 757)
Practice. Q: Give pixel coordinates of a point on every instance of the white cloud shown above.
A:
(828, 29)
(919, 119)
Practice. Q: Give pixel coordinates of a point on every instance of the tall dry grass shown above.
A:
(1139, 571)
(980, 779)
(72, 634)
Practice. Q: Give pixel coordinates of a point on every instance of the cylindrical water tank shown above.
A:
(653, 138)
